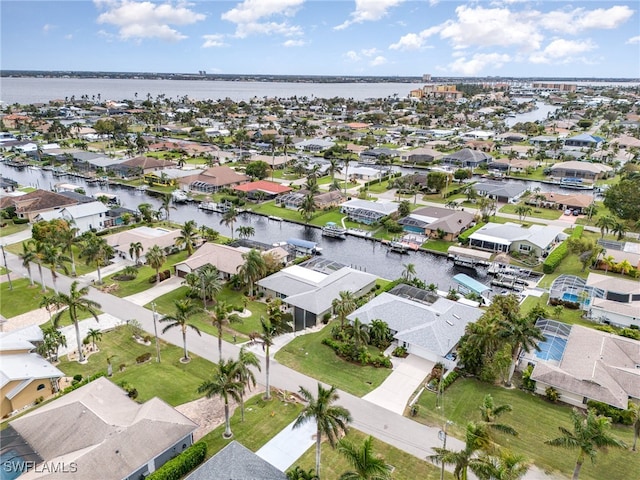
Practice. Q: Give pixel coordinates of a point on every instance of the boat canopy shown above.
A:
(470, 284)
(297, 242)
(469, 253)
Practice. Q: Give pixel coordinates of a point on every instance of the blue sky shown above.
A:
(333, 37)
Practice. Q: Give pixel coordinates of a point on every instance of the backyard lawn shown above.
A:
(536, 420)
(170, 380)
(545, 213)
(308, 355)
(405, 466)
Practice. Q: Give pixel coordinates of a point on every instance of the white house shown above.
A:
(621, 303)
(511, 237)
(85, 216)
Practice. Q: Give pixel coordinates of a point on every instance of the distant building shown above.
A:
(441, 92)
(553, 87)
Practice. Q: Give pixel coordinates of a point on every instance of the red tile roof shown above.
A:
(269, 187)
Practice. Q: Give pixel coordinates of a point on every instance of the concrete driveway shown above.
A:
(395, 392)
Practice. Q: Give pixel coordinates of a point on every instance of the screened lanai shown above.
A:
(572, 289)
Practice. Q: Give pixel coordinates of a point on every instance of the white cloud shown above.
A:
(379, 60)
(562, 51)
(633, 40)
(415, 41)
(47, 27)
(369, 11)
(580, 20)
(213, 40)
(250, 15)
(140, 20)
(478, 63)
(352, 56)
(294, 43)
(369, 52)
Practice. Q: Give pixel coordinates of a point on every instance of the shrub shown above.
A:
(400, 352)
(145, 357)
(178, 467)
(415, 408)
(163, 276)
(38, 400)
(552, 394)
(527, 383)
(77, 377)
(463, 238)
(616, 415)
(20, 221)
(449, 379)
(561, 251)
(73, 386)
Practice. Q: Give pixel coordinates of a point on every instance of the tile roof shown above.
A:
(263, 185)
(36, 201)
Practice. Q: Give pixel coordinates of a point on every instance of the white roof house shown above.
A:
(365, 211)
(430, 331)
(510, 236)
(621, 303)
(85, 216)
(147, 236)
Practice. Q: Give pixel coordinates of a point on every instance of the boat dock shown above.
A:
(468, 257)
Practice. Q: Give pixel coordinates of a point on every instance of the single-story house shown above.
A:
(515, 165)
(621, 303)
(420, 155)
(98, 428)
(544, 141)
(310, 293)
(34, 203)
(235, 461)
(584, 140)
(293, 200)
(170, 176)
(137, 166)
(431, 221)
(367, 212)
(561, 201)
(374, 155)
(274, 161)
(428, 329)
(213, 179)
(499, 191)
(262, 188)
(467, 158)
(580, 170)
(592, 365)
(147, 236)
(24, 375)
(538, 240)
(361, 172)
(314, 145)
(85, 216)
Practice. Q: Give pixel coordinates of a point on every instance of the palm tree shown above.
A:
(344, 305)
(634, 409)
(67, 237)
(27, 256)
(53, 339)
(476, 440)
(246, 360)
(184, 311)
(156, 258)
(95, 335)
(360, 333)
(253, 268)
(308, 207)
(76, 302)
(220, 317)
(523, 211)
(188, 236)
(166, 207)
(624, 267)
(96, 251)
(135, 250)
(619, 229)
(38, 248)
(268, 333)
(505, 466)
(379, 332)
(605, 224)
(298, 473)
(224, 384)
(590, 434)
(209, 282)
(53, 257)
(409, 271)
(490, 412)
(229, 218)
(522, 334)
(245, 231)
(331, 420)
(366, 465)
(50, 302)
(609, 261)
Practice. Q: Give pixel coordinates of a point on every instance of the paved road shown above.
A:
(383, 424)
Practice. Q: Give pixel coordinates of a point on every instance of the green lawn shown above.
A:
(263, 420)
(405, 466)
(438, 245)
(570, 316)
(22, 299)
(10, 228)
(81, 267)
(308, 355)
(141, 282)
(379, 187)
(545, 213)
(170, 380)
(536, 421)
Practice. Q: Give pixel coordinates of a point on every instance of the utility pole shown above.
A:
(155, 330)
(4, 256)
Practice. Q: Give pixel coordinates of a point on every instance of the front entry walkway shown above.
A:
(395, 392)
(289, 445)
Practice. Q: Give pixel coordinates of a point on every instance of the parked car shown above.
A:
(568, 211)
(576, 213)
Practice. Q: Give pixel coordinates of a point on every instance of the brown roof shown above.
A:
(573, 200)
(37, 201)
(217, 176)
(148, 162)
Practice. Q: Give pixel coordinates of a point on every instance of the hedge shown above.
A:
(81, 383)
(179, 466)
(463, 238)
(560, 253)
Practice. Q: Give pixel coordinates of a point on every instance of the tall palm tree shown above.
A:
(253, 268)
(308, 207)
(188, 236)
(38, 248)
(75, 303)
(229, 218)
(181, 319)
(344, 305)
(27, 256)
(245, 231)
(505, 466)
(95, 335)
(268, 332)
(589, 434)
(246, 361)
(409, 271)
(53, 258)
(619, 228)
(220, 317)
(224, 384)
(605, 224)
(476, 440)
(166, 207)
(360, 333)
(366, 465)
(489, 412)
(96, 251)
(67, 238)
(209, 282)
(609, 261)
(522, 334)
(135, 251)
(331, 420)
(156, 258)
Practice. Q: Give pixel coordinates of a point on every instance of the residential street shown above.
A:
(383, 424)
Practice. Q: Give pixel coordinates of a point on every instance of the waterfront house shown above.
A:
(294, 199)
(560, 201)
(262, 189)
(580, 171)
(314, 145)
(147, 236)
(25, 376)
(368, 212)
(428, 326)
(420, 155)
(467, 158)
(621, 303)
(375, 155)
(518, 165)
(584, 364)
(536, 240)
(584, 140)
(100, 429)
(309, 293)
(85, 216)
(212, 180)
(499, 191)
(437, 222)
(34, 203)
(137, 166)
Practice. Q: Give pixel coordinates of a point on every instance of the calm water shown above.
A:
(36, 90)
(541, 113)
(356, 252)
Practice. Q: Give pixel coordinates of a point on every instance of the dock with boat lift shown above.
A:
(468, 257)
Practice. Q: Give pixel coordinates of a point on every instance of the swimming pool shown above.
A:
(11, 464)
(570, 297)
(551, 348)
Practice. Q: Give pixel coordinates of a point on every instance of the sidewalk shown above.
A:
(283, 450)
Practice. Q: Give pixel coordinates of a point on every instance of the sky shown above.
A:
(511, 38)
